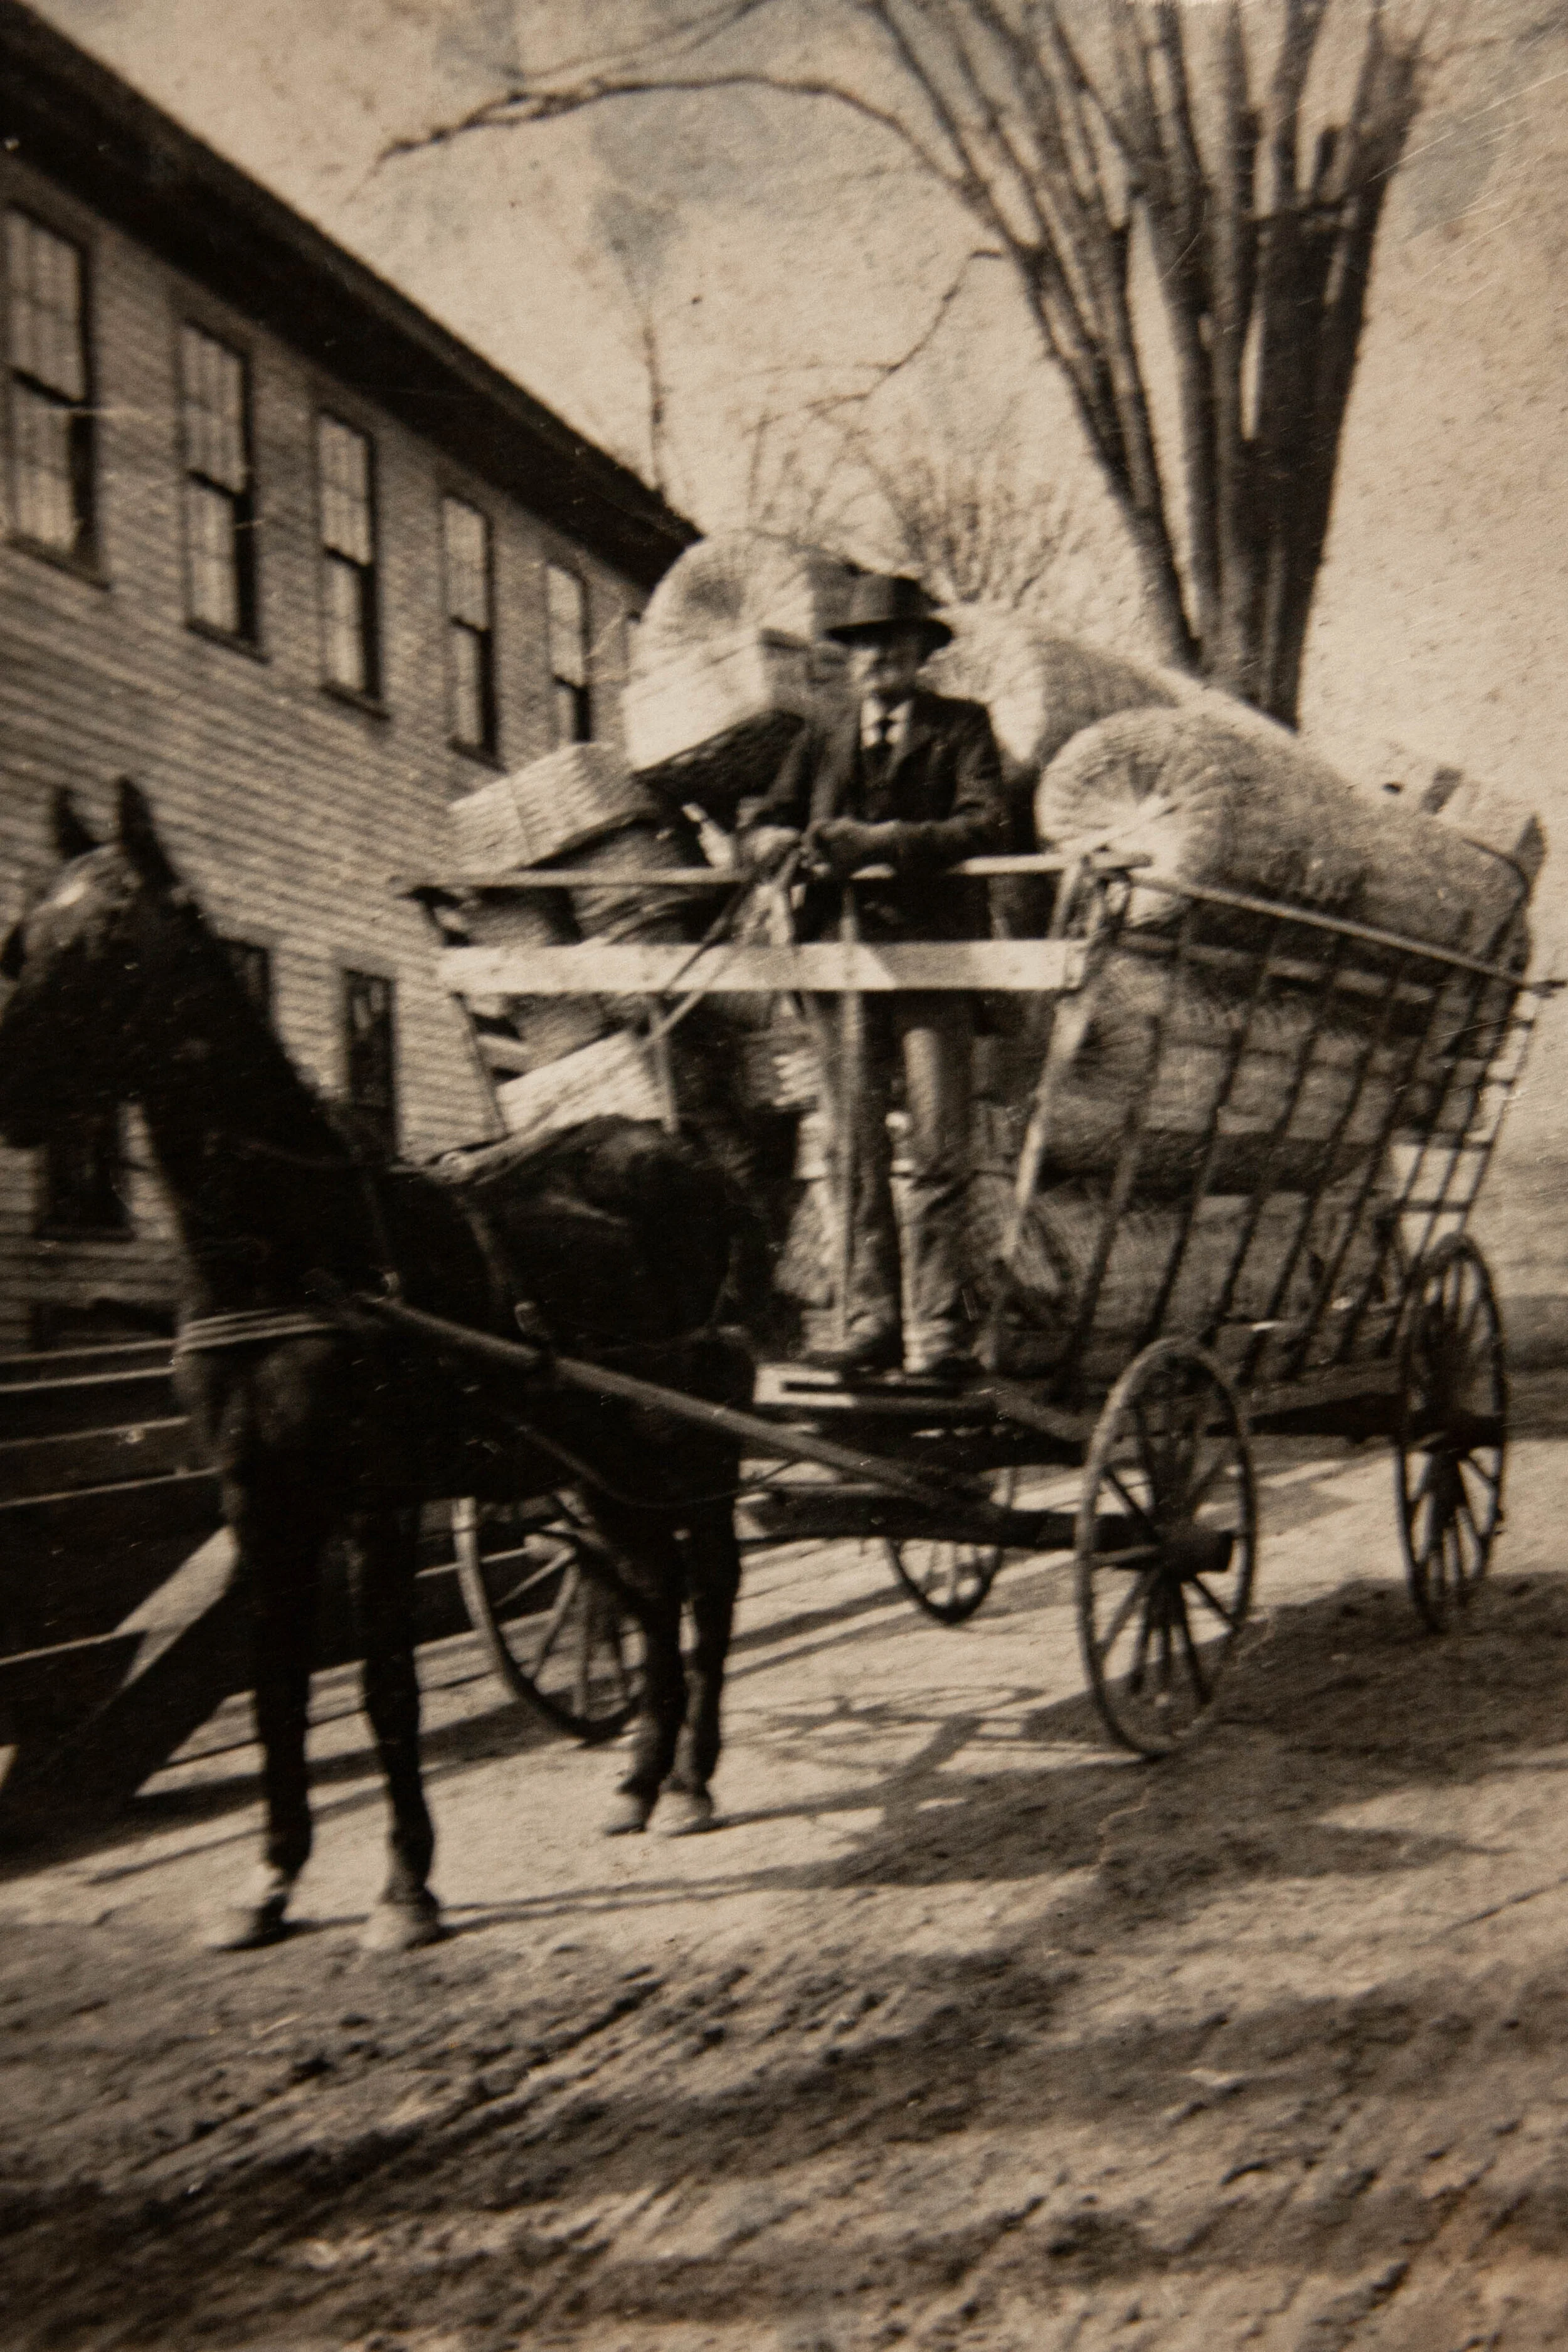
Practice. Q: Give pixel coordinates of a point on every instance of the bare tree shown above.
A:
(1232, 159)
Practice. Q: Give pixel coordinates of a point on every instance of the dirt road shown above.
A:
(961, 2031)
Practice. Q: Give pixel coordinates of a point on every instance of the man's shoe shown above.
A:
(859, 1360)
(946, 1374)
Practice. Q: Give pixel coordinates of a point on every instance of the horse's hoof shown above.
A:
(402, 1925)
(686, 1812)
(249, 1926)
(628, 1816)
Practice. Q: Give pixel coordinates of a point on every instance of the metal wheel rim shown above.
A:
(584, 1625)
(1448, 1493)
(1154, 1678)
(957, 1576)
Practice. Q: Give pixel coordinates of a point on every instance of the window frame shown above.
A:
(581, 691)
(84, 555)
(488, 748)
(370, 695)
(54, 1219)
(247, 958)
(385, 1119)
(247, 637)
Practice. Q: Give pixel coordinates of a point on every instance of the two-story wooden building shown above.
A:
(281, 547)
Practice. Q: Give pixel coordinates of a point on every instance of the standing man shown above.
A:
(910, 780)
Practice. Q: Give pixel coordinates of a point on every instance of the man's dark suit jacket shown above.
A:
(944, 791)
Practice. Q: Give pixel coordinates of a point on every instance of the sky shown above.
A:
(785, 252)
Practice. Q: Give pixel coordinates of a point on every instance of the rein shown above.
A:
(212, 1335)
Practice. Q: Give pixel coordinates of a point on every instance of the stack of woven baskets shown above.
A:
(559, 1059)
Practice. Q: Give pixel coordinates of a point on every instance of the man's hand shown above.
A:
(765, 848)
(840, 845)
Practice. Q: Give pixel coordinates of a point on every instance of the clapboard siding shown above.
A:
(288, 807)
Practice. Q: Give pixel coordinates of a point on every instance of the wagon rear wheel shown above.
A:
(1451, 1443)
(1167, 1533)
(949, 1580)
(555, 1633)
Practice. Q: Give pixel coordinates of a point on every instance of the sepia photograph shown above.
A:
(784, 1175)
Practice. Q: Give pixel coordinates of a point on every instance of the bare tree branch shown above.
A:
(1062, 127)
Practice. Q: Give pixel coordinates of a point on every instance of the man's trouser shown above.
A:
(930, 1037)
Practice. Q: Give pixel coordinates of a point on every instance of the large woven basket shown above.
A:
(622, 912)
(546, 809)
(1244, 807)
(738, 580)
(614, 1076)
(709, 722)
(518, 1034)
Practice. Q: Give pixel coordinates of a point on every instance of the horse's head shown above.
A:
(93, 965)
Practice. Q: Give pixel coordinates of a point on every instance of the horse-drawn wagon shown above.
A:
(1227, 1149)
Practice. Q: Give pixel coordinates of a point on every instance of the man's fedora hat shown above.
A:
(881, 607)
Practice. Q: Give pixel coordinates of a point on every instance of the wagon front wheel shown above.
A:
(1451, 1443)
(946, 1579)
(555, 1633)
(1166, 1539)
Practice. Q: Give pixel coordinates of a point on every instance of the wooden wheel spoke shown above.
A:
(556, 1623)
(1148, 1459)
(1140, 1646)
(1124, 1609)
(1139, 1513)
(1469, 1463)
(1198, 1492)
(1195, 1673)
(1167, 1654)
(1219, 1607)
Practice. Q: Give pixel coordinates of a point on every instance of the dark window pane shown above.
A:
(253, 970)
(370, 1053)
(212, 546)
(45, 274)
(349, 647)
(83, 1172)
(473, 711)
(51, 424)
(566, 604)
(220, 547)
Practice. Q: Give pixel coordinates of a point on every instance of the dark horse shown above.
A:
(613, 1237)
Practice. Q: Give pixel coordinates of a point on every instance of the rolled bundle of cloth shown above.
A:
(1213, 798)
(1294, 1250)
(1273, 1095)
(1041, 689)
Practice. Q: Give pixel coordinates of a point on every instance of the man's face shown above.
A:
(887, 667)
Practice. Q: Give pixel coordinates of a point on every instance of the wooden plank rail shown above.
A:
(819, 967)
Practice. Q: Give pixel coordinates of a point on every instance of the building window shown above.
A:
(567, 601)
(51, 423)
(350, 648)
(370, 1056)
(253, 970)
(466, 539)
(84, 1176)
(220, 510)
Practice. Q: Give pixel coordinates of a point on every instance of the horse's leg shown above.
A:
(383, 1563)
(280, 1537)
(651, 1575)
(714, 1575)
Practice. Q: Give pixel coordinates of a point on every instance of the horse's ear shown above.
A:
(72, 838)
(139, 836)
